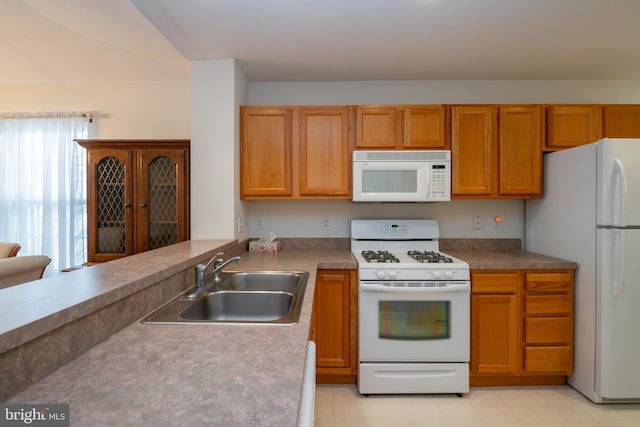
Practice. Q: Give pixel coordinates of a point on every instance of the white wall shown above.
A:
(152, 109)
(303, 218)
(445, 92)
(218, 87)
(241, 96)
(165, 109)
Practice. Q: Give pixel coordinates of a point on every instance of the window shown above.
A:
(43, 186)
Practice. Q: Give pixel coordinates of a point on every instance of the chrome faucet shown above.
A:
(201, 278)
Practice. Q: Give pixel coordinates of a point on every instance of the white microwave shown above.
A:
(402, 176)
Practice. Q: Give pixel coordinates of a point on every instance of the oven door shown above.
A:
(414, 321)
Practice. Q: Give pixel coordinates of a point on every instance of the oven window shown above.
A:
(389, 181)
(414, 320)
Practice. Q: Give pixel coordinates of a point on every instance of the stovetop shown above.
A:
(398, 260)
(402, 250)
(426, 257)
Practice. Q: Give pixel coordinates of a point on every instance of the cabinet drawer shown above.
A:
(548, 330)
(548, 359)
(548, 282)
(548, 304)
(495, 282)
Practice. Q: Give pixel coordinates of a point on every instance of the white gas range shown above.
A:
(414, 309)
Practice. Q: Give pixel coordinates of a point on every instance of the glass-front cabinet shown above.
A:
(138, 196)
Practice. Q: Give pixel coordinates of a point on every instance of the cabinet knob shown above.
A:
(143, 204)
(127, 203)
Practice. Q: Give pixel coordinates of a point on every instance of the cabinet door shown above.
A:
(376, 127)
(494, 334)
(495, 322)
(474, 151)
(622, 122)
(265, 167)
(325, 163)
(110, 204)
(161, 198)
(521, 151)
(425, 128)
(570, 126)
(333, 323)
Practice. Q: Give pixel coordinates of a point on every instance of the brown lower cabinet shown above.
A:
(334, 326)
(521, 327)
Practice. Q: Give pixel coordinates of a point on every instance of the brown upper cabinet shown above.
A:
(622, 121)
(520, 149)
(295, 152)
(265, 166)
(496, 151)
(401, 127)
(474, 151)
(572, 125)
(298, 152)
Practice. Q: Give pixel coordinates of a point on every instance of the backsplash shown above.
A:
(504, 245)
(332, 218)
(311, 243)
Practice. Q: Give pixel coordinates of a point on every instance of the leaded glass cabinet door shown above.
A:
(160, 197)
(110, 201)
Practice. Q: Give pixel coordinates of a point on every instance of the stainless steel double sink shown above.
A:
(242, 297)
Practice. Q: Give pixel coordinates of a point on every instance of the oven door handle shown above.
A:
(457, 287)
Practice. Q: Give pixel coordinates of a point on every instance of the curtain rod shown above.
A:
(46, 115)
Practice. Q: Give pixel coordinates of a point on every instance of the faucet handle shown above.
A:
(219, 259)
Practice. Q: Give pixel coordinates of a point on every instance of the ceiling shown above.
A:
(321, 40)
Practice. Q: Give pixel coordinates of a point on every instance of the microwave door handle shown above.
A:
(458, 287)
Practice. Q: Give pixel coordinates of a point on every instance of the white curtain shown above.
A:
(43, 186)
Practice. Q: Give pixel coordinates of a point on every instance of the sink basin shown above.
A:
(262, 281)
(241, 306)
(256, 297)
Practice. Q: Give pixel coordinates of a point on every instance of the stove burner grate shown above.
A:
(429, 257)
(379, 256)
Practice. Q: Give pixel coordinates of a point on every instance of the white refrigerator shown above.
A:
(590, 214)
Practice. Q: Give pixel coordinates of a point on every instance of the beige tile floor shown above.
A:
(552, 406)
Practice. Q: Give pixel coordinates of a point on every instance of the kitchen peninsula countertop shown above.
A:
(193, 374)
(205, 374)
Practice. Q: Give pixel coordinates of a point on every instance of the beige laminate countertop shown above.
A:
(214, 375)
(509, 260)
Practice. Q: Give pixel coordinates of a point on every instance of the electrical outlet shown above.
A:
(498, 221)
(259, 223)
(241, 225)
(325, 223)
(477, 223)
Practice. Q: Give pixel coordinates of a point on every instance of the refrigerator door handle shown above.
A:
(620, 174)
(618, 278)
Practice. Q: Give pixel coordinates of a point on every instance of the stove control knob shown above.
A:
(381, 274)
(437, 274)
(393, 275)
(448, 274)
